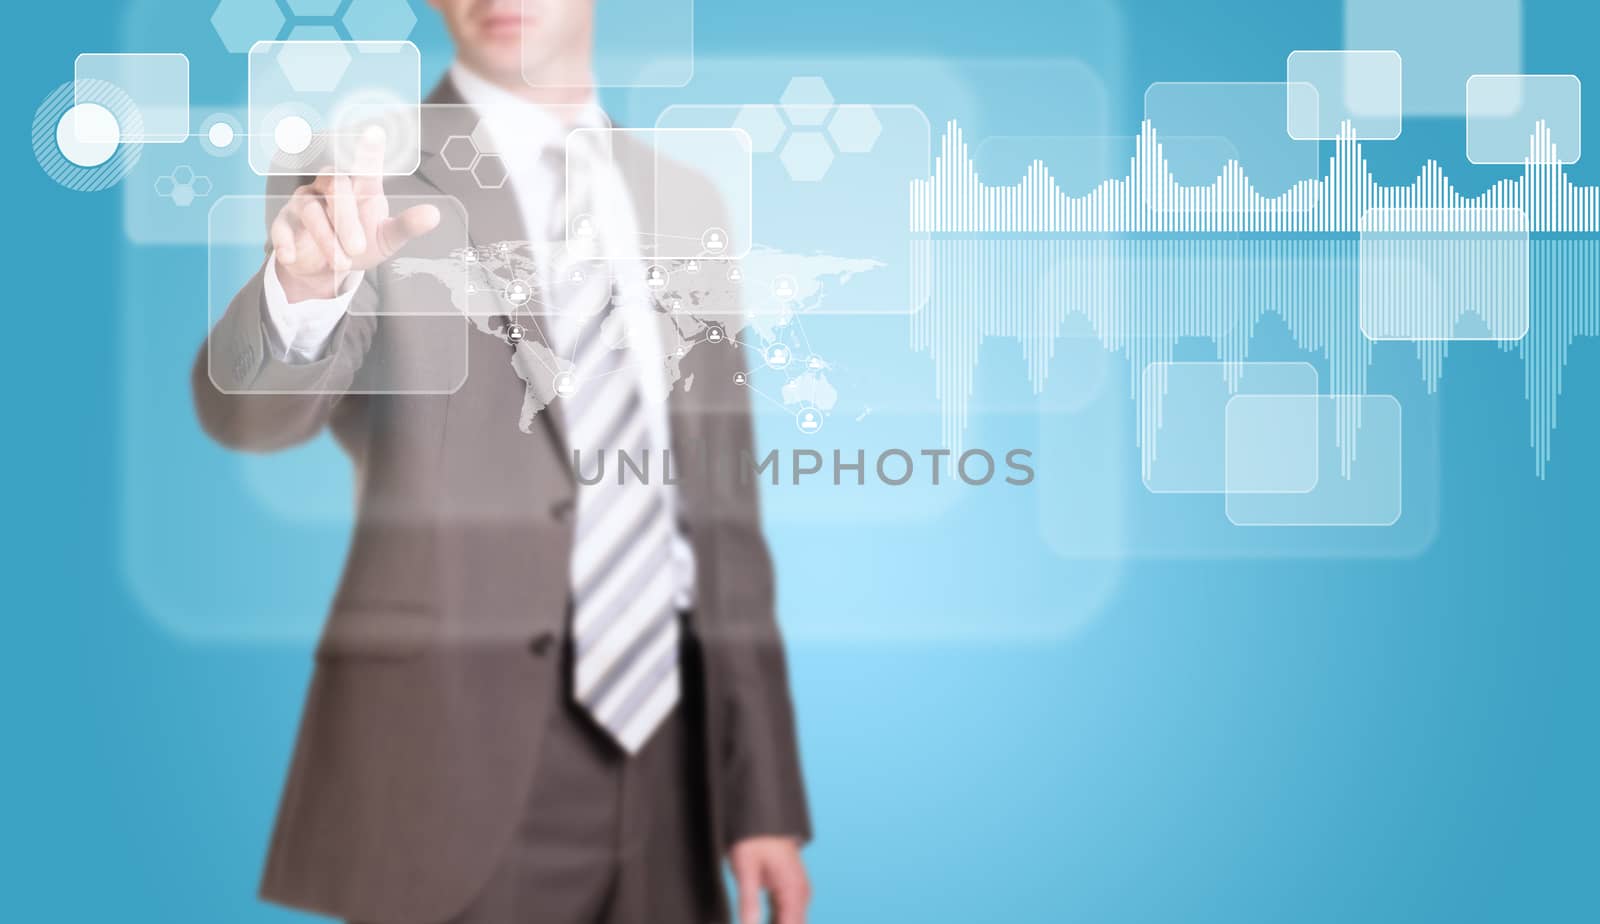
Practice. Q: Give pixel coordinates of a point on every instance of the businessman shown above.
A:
(536, 698)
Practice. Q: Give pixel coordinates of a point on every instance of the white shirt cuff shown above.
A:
(299, 331)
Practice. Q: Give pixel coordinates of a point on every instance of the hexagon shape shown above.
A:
(316, 62)
(459, 152)
(855, 129)
(379, 20)
(323, 8)
(764, 126)
(242, 23)
(201, 186)
(807, 156)
(183, 196)
(490, 171)
(183, 174)
(807, 100)
(164, 186)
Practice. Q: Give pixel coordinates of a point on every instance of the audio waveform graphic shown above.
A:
(1150, 199)
(1140, 277)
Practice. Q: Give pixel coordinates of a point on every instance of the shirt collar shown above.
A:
(518, 123)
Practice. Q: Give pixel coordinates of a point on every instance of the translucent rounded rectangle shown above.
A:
(1359, 467)
(1361, 88)
(311, 103)
(1514, 118)
(698, 199)
(1271, 444)
(156, 84)
(830, 189)
(1443, 274)
(1091, 502)
(423, 347)
(1183, 417)
(1226, 147)
(637, 43)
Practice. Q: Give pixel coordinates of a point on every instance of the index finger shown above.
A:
(346, 217)
(371, 154)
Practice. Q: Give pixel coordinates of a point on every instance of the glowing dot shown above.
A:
(292, 135)
(88, 134)
(220, 135)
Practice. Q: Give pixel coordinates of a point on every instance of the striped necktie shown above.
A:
(625, 630)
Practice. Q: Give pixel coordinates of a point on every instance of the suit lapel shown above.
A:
(492, 216)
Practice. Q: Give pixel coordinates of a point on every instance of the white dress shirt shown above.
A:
(298, 332)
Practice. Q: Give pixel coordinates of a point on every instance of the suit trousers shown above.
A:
(606, 838)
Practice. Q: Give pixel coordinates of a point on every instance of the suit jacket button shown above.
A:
(542, 642)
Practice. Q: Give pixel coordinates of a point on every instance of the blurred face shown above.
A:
(522, 42)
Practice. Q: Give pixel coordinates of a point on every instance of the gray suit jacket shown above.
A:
(423, 722)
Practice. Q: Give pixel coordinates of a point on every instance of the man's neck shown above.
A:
(574, 95)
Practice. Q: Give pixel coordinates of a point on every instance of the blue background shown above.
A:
(1371, 738)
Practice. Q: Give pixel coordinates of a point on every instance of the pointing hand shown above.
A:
(340, 224)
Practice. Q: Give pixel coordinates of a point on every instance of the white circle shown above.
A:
(808, 420)
(566, 385)
(88, 134)
(292, 134)
(220, 134)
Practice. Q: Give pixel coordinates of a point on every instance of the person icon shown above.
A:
(470, 255)
(814, 363)
(714, 334)
(714, 240)
(739, 378)
(735, 274)
(576, 276)
(518, 292)
(777, 355)
(784, 287)
(565, 384)
(676, 306)
(583, 228)
(515, 332)
(809, 420)
(655, 277)
(693, 266)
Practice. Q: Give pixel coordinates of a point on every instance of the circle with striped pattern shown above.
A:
(55, 116)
